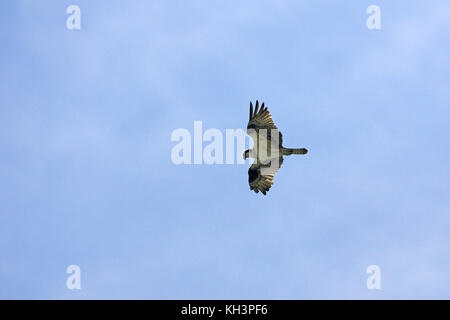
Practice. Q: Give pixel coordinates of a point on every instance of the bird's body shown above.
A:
(268, 150)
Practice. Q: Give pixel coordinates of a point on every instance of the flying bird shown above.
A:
(268, 150)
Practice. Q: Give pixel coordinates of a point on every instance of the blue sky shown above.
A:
(86, 176)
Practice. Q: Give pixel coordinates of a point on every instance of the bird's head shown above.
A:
(246, 154)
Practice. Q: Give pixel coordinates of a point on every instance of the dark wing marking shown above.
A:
(260, 176)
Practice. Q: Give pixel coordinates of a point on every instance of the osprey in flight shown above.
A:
(268, 150)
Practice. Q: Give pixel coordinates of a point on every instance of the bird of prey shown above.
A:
(268, 150)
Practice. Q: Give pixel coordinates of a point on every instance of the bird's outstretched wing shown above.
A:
(260, 176)
(260, 118)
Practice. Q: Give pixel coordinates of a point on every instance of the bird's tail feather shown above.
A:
(289, 151)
